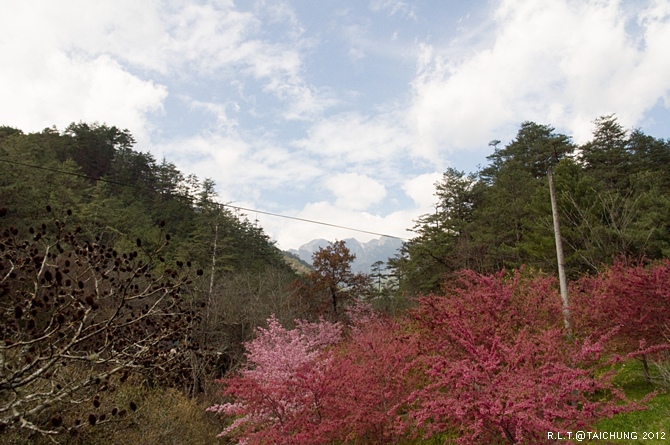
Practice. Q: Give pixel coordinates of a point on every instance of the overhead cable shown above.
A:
(294, 218)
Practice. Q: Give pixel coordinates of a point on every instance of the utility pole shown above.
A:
(563, 281)
(211, 276)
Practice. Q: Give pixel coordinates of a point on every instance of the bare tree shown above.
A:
(75, 313)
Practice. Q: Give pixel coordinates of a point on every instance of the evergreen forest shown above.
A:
(137, 307)
(613, 195)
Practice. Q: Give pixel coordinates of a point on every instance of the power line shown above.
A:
(295, 218)
(311, 221)
(80, 175)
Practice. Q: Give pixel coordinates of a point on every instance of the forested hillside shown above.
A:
(131, 301)
(613, 195)
(120, 195)
(123, 268)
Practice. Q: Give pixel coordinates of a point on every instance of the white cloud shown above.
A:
(558, 62)
(353, 138)
(293, 234)
(422, 189)
(179, 37)
(392, 7)
(273, 135)
(77, 60)
(354, 191)
(59, 72)
(356, 54)
(244, 168)
(64, 89)
(220, 111)
(304, 102)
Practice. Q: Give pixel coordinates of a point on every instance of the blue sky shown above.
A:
(344, 111)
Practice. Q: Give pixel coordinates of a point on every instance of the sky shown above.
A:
(346, 111)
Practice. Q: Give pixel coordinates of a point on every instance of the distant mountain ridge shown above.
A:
(366, 253)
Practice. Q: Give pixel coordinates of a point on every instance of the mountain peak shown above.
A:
(367, 253)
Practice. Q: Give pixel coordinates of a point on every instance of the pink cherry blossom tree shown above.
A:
(487, 362)
(498, 366)
(281, 386)
(366, 383)
(311, 385)
(633, 298)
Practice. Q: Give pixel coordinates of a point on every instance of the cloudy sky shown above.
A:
(340, 111)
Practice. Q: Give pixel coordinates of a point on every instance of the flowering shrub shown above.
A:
(367, 383)
(281, 386)
(497, 366)
(488, 362)
(634, 299)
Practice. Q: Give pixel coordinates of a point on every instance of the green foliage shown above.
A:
(120, 194)
(535, 149)
(95, 146)
(613, 195)
(606, 156)
(29, 178)
(114, 196)
(443, 243)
